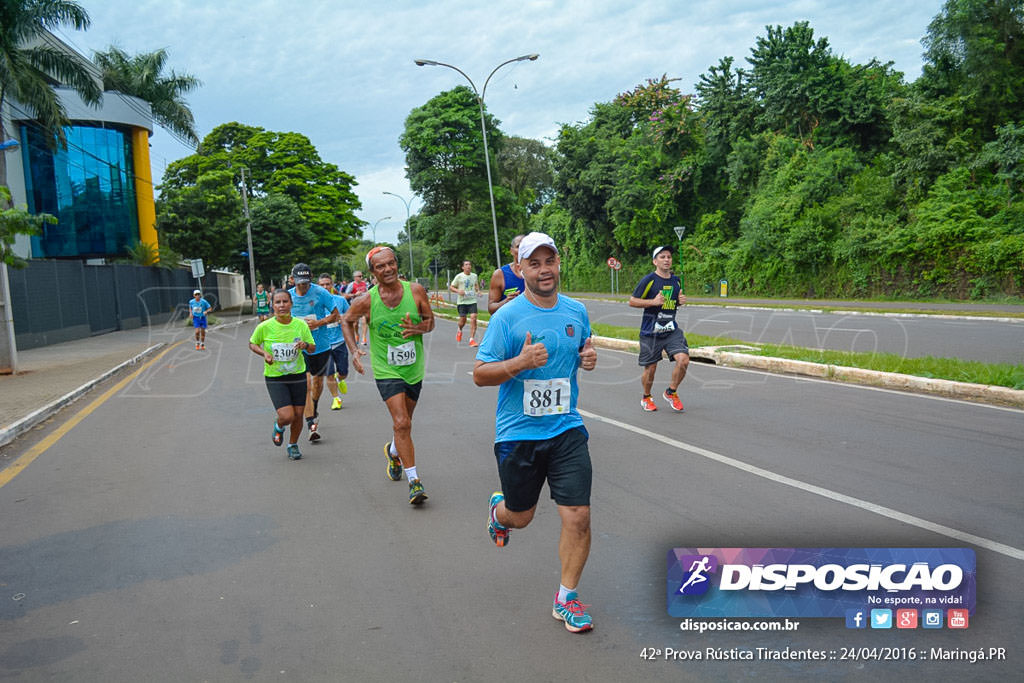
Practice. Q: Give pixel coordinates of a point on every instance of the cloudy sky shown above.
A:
(342, 72)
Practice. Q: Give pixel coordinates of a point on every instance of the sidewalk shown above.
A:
(49, 373)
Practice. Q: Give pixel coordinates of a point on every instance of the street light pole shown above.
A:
(248, 236)
(408, 233)
(483, 129)
(374, 228)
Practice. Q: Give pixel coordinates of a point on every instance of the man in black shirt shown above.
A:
(659, 293)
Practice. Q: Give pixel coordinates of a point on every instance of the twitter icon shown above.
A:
(881, 618)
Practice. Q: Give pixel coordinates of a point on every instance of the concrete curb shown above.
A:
(19, 427)
(966, 391)
(13, 431)
(889, 380)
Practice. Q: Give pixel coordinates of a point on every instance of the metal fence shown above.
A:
(57, 301)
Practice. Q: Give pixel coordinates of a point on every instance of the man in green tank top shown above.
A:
(398, 315)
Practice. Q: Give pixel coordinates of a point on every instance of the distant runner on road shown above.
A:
(198, 306)
(398, 315)
(282, 342)
(465, 285)
(659, 294)
(261, 302)
(534, 347)
(358, 286)
(507, 281)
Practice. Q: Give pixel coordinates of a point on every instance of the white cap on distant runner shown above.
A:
(534, 240)
(196, 292)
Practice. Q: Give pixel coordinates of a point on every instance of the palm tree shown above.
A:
(29, 65)
(142, 76)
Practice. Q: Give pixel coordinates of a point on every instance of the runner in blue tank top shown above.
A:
(533, 349)
(506, 282)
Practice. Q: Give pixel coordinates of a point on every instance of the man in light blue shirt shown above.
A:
(198, 306)
(337, 364)
(534, 347)
(316, 306)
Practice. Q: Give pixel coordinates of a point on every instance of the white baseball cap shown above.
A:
(658, 250)
(534, 240)
(196, 292)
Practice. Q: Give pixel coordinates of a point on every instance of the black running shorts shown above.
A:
(466, 309)
(563, 461)
(316, 364)
(652, 346)
(338, 362)
(393, 387)
(287, 390)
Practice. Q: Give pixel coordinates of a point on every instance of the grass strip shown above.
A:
(958, 370)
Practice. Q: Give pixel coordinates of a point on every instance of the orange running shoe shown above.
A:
(458, 336)
(647, 403)
(673, 400)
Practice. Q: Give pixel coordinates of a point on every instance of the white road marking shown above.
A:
(988, 544)
(843, 329)
(710, 320)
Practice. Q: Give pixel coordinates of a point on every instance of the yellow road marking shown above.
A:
(53, 437)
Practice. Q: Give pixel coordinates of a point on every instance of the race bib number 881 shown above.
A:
(546, 396)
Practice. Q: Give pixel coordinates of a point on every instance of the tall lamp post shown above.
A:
(408, 232)
(483, 128)
(374, 228)
(248, 235)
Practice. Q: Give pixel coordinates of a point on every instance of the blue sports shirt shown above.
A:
(563, 330)
(318, 302)
(198, 307)
(335, 331)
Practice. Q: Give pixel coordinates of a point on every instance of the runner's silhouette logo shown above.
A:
(696, 580)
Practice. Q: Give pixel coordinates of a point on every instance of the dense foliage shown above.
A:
(301, 207)
(805, 174)
(443, 147)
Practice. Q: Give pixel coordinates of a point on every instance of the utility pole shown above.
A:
(248, 236)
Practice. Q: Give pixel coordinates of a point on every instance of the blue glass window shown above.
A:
(89, 187)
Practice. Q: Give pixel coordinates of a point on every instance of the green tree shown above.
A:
(285, 164)
(525, 169)
(142, 76)
(280, 237)
(444, 158)
(14, 222)
(443, 147)
(974, 49)
(28, 64)
(203, 220)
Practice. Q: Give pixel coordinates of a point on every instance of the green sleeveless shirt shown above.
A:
(392, 356)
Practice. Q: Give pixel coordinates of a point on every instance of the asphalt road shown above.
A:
(164, 538)
(981, 340)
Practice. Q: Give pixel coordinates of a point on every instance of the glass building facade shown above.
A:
(89, 186)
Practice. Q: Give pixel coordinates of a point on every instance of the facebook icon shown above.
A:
(856, 618)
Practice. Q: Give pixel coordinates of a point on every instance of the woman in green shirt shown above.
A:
(279, 341)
